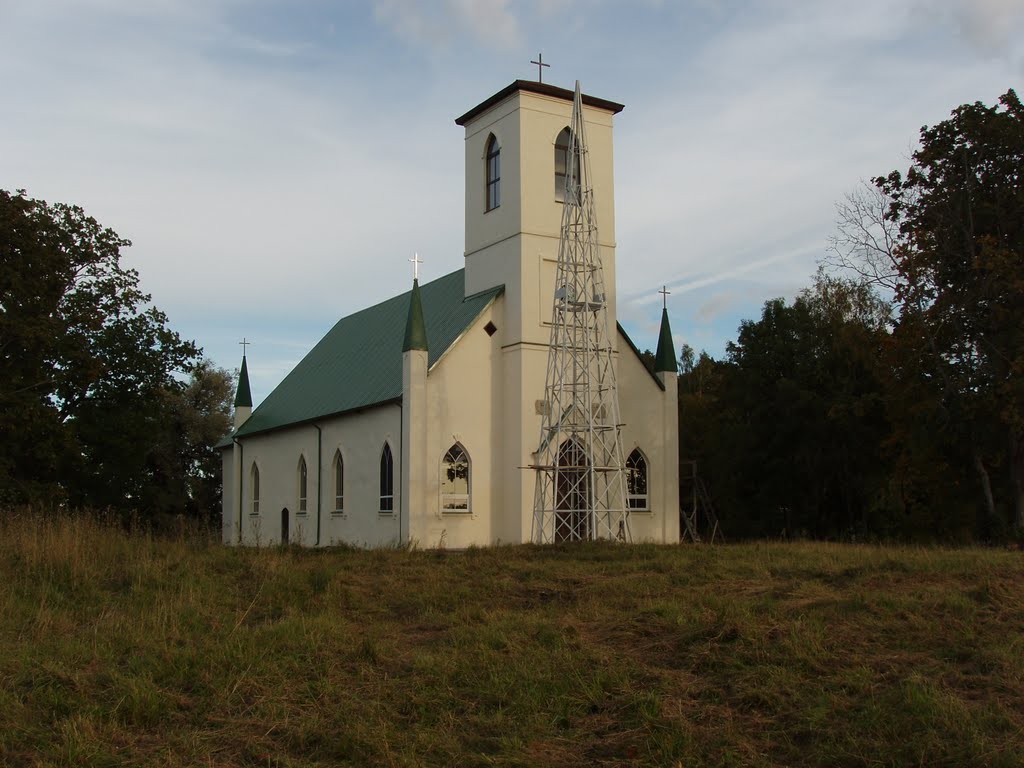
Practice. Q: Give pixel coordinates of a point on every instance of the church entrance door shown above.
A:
(284, 525)
(572, 493)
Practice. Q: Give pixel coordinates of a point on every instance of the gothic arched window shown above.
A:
(303, 483)
(387, 480)
(562, 146)
(455, 480)
(493, 173)
(339, 482)
(636, 481)
(254, 487)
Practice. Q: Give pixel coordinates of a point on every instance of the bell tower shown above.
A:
(514, 208)
(514, 201)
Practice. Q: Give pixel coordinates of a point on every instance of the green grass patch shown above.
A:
(121, 649)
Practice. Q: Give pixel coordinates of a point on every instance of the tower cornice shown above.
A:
(544, 89)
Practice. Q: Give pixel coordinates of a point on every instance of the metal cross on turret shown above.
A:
(416, 261)
(665, 293)
(244, 344)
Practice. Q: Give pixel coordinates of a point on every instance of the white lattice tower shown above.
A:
(580, 489)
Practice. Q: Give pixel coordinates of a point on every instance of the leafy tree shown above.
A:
(86, 362)
(959, 260)
(788, 429)
(199, 415)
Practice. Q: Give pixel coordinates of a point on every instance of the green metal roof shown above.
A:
(665, 358)
(358, 363)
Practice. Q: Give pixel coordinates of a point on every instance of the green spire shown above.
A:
(665, 359)
(243, 397)
(415, 328)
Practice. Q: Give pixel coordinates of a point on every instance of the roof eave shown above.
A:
(314, 419)
(544, 89)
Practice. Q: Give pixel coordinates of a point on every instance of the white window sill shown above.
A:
(339, 513)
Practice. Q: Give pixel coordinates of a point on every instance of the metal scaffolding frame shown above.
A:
(580, 490)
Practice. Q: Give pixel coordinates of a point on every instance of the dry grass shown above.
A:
(123, 649)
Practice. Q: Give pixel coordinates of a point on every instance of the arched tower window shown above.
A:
(562, 145)
(636, 481)
(387, 480)
(339, 482)
(493, 173)
(303, 483)
(455, 480)
(254, 487)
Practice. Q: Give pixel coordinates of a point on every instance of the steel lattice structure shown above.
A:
(580, 491)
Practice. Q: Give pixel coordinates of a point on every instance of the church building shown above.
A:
(417, 420)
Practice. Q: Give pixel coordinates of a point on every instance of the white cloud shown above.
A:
(274, 177)
(989, 25)
(436, 25)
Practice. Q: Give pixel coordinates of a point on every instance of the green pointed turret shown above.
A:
(415, 328)
(665, 359)
(243, 397)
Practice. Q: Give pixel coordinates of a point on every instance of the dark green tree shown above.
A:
(787, 431)
(85, 360)
(959, 259)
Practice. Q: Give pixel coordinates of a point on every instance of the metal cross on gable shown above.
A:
(665, 293)
(416, 261)
(540, 67)
(244, 344)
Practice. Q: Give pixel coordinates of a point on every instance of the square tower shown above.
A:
(513, 227)
(515, 171)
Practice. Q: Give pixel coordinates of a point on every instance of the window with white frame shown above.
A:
(387, 480)
(455, 480)
(636, 481)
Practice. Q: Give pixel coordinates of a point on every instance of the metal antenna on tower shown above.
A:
(580, 490)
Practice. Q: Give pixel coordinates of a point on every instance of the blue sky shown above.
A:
(275, 163)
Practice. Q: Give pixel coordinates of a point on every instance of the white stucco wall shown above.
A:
(464, 396)
(650, 424)
(360, 437)
(229, 510)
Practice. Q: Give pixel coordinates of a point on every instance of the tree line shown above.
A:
(102, 405)
(885, 401)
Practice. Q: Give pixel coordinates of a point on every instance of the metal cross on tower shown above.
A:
(580, 475)
(244, 344)
(416, 261)
(540, 67)
(665, 293)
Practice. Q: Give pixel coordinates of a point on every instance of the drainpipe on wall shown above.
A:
(401, 490)
(241, 474)
(319, 483)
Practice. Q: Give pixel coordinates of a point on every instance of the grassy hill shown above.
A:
(122, 649)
